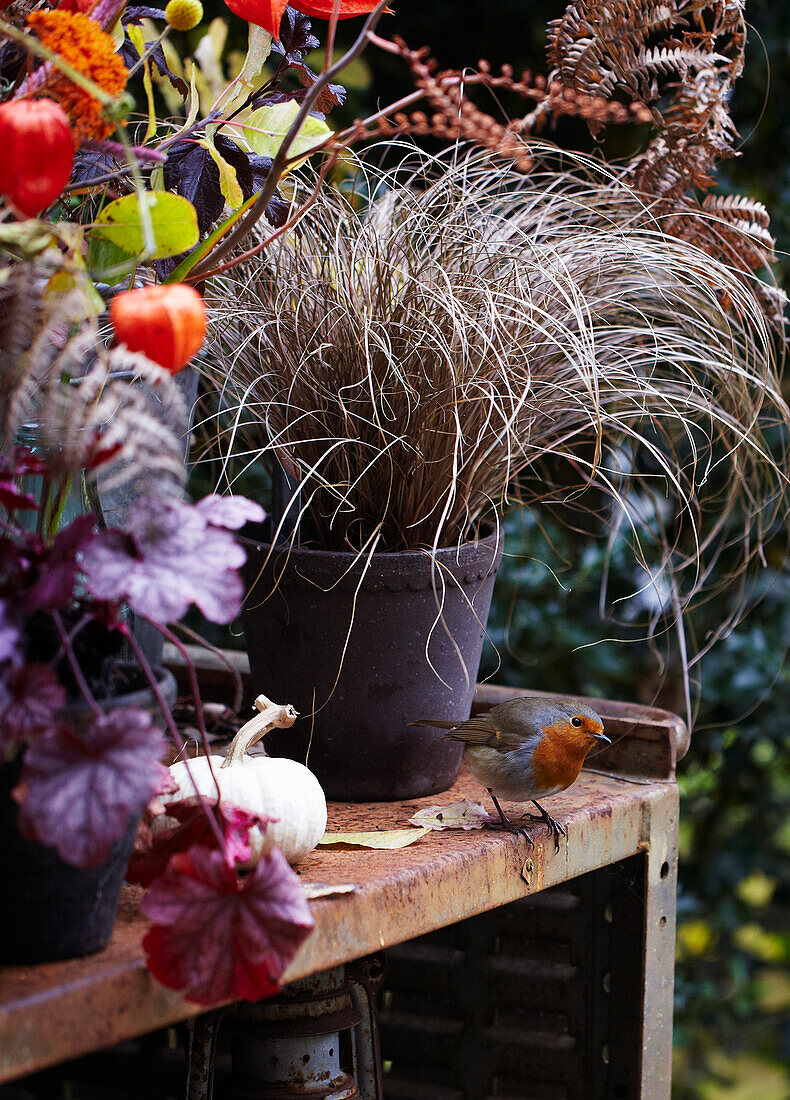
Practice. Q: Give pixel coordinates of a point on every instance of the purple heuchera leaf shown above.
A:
(231, 512)
(219, 936)
(10, 634)
(168, 556)
(55, 585)
(34, 696)
(78, 791)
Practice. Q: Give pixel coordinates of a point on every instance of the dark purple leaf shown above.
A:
(218, 936)
(136, 13)
(296, 40)
(269, 97)
(54, 587)
(92, 163)
(129, 55)
(166, 557)
(191, 172)
(13, 58)
(80, 790)
(34, 696)
(232, 512)
(278, 208)
(296, 36)
(328, 97)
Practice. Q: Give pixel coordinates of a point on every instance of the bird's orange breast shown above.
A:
(557, 758)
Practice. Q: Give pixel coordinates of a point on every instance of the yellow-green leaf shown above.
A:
(77, 291)
(173, 218)
(138, 41)
(108, 263)
(393, 838)
(258, 49)
(228, 179)
(265, 129)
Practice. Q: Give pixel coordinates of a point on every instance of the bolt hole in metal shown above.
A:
(664, 869)
(663, 922)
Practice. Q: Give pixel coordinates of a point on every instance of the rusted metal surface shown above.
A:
(58, 1011)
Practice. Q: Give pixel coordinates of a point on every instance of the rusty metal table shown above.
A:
(622, 815)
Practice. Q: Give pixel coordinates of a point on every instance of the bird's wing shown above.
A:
(483, 731)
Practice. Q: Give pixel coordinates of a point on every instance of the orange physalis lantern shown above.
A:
(165, 323)
(37, 153)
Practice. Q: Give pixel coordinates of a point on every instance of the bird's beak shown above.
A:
(602, 737)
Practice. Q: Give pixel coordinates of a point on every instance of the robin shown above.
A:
(527, 748)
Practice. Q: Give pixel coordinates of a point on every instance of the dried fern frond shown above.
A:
(120, 419)
(477, 335)
(82, 405)
(680, 59)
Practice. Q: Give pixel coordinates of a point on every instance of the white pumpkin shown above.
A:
(272, 787)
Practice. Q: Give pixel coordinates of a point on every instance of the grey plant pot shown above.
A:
(402, 660)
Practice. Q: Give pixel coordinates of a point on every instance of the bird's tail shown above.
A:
(438, 723)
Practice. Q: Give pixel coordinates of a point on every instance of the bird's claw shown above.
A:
(554, 827)
(515, 830)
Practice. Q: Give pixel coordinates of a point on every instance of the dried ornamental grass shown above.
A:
(474, 336)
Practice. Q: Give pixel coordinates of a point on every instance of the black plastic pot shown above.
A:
(404, 659)
(48, 909)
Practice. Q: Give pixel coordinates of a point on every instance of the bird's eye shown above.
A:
(576, 721)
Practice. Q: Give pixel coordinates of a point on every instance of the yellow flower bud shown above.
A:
(183, 15)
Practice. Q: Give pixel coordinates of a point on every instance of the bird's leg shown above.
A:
(554, 826)
(505, 823)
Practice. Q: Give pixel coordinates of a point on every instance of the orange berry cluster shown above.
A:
(84, 45)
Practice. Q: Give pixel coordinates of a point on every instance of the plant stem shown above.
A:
(256, 211)
(149, 50)
(43, 508)
(238, 687)
(193, 683)
(74, 664)
(59, 505)
(172, 729)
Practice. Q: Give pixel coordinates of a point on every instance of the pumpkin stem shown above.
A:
(270, 716)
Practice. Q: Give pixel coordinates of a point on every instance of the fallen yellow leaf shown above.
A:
(394, 838)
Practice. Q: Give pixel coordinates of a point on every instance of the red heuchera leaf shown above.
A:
(268, 13)
(35, 694)
(151, 858)
(218, 936)
(11, 497)
(78, 792)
